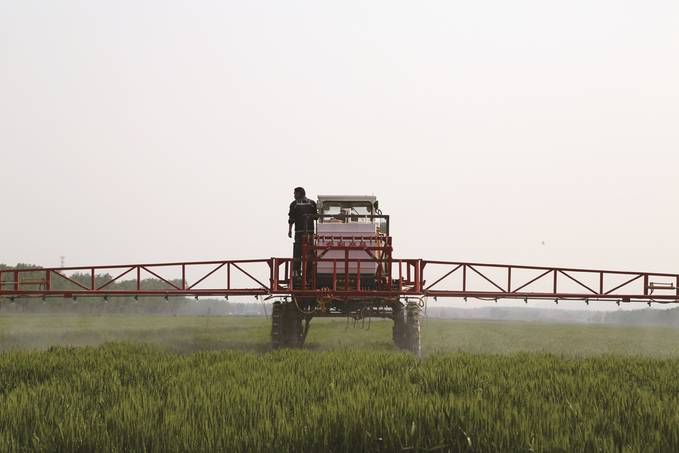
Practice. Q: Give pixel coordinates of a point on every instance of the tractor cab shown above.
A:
(352, 211)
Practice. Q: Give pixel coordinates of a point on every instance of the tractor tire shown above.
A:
(399, 329)
(294, 331)
(412, 320)
(277, 326)
(287, 329)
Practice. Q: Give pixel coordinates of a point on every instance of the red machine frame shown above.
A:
(396, 278)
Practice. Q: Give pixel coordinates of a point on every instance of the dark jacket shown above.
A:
(302, 214)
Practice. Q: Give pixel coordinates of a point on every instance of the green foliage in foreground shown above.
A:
(212, 384)
(126, 397)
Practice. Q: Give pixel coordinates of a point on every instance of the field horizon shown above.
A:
(187, 333)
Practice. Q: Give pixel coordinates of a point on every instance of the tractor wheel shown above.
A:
(412, 320)
(277, 325)
(294, 331)
(399, 329)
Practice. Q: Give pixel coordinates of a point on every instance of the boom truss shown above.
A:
(402, 278)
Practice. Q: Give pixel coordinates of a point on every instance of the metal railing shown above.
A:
(347, 278)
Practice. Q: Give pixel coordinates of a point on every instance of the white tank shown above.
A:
(346, 231)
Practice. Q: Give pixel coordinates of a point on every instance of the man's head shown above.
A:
(299, 193)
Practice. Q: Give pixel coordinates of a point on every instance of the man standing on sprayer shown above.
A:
(302, 214)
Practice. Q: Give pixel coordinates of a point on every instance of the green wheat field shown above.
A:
(165, 384)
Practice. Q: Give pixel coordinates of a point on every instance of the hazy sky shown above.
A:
(150, 131)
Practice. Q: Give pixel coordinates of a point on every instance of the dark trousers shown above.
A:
(297, 252)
